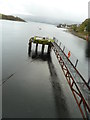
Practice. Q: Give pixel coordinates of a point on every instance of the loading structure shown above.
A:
(77, 84)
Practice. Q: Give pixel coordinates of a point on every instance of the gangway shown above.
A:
(78, 85)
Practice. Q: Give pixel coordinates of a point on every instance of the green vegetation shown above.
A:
(10, 17)
(41, 40)
(84, 28)
(81, 30)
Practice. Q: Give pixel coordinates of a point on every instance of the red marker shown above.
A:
(69, 54)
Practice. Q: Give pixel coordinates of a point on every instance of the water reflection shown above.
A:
(61, 106)
(29, 51)
(57, 91)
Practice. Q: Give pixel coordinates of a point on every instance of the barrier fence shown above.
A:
(78, 85)
(76, 62)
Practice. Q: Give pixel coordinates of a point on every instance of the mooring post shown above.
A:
(43, 48)
(49, 48)
(76, 63)
(36, 48)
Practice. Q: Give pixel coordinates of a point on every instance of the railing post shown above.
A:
(76, 63)
(59, 44)
(54, 38)
(63, 48)
(57, 41)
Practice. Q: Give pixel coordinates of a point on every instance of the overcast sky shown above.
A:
(76, 10)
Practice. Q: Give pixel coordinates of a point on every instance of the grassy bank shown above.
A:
(80, 30)
(78, 34)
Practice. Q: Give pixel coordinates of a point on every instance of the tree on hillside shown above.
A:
(84, 25)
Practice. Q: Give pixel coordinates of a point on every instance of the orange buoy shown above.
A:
(69, 54)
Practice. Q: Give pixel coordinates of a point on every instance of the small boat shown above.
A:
(40, 28)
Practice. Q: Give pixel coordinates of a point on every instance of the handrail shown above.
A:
(71, 81)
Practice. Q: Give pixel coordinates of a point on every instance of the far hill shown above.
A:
(10, 17)
(81, 30)
(85, 26)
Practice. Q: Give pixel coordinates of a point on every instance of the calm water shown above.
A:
(34, 86)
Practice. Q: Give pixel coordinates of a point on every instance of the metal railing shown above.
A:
(78, 85)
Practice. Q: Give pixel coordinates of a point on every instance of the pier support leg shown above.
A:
(30, 45)
(49, 49)
(43, 48)
(29, 48)
(36, 48)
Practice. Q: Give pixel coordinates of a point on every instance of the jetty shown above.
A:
(41, 40)
(78, 85)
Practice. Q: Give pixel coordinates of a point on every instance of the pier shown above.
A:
(78, 85)
(40, 40)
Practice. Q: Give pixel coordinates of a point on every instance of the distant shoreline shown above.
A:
(12, 20)
(11, 17)
(80, 35)
(80, 30)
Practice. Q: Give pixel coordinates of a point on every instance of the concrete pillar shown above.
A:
(30, 45)
(36, 48)
(43, 48)
(29, 48)
(49, 49)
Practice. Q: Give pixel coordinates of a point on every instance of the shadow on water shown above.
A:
(61, 106)
(60, 102)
